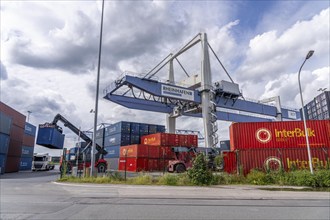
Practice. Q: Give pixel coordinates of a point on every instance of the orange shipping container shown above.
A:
(135, 150)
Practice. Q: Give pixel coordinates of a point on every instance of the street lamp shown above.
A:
(310, 53)
(28, 118)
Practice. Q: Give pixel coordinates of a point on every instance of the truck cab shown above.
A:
(42, 162)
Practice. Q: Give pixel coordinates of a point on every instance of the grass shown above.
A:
(320, 181)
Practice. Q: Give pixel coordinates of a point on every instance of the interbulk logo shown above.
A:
(297, 132)
(263, 135)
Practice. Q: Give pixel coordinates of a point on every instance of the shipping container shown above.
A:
(27, 151)
(113, 163)
(15, 148)
(135, 128)
(229, 162)
(153, 165)
(4, 143)
(18, 119)
(49, 136)
(28, 140)
(160, 139)
(166, 152)
(153, 151)
(163, 165)
(286, 158)
(143, 129)
(133, 164)
(100, 133)
(100, 141)
(30, 129)
(136, 150)
(225, 145)
(285, 134)
(152, 129)
(161, 129)
(119, 127)
(113, 151)
(135, 139)
(117, 139)
(5, 123)
(16, 133)
(12, 164)
(3, 158)
(26, 163)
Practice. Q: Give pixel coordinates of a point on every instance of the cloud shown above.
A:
(3, 72)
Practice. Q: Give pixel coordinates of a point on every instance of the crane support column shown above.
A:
(170, 121)
(206, 89)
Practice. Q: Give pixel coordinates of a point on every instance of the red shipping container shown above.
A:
(153, 165)
(15, 148)
(12, 164)
(28, 140)
(133, 164)
(192, 141)
(287, 158)
(18, 119)
(161, 139)
(163, 164)
(229, 162)
(16, 133)
(153, 151)
(135, 150)
(166, 152)
(285, 134)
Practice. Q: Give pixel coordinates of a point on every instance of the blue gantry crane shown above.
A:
(198, 98)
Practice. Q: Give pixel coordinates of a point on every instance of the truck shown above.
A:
(42, 162)
(71, 161)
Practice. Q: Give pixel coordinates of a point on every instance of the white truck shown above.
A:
(42, 162)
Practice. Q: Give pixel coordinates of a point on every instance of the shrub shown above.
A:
(322, 178)
(199, 174)
(168, 179)
(300, 178)
(141, 180)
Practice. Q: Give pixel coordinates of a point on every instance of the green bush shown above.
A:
(322, 178)
(168, 179)
(199, 174)
(144, 179)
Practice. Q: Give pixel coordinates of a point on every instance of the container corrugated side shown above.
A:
(133, 164)
(161, 129)
(25, 163)
(117, 139)
(287, 158)
(152, 129)
(5, 123)
(15, 148)
(166, 152)
(161, 139)
(229, 162)
(4, 143)
(135, 139)
(135, 150)
(12, 164)
(27, 151)
(30, 129)
(143, 129)
(113, 163)
(3, 158)
(18, 119)
(119, 127)
(153, 165)
(113, 151)
(16, 133)
(287, 134)
(100, 133)
(28, 140)
(50, 137)
(135, 128)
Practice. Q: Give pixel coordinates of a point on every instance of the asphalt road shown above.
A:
(35, 195)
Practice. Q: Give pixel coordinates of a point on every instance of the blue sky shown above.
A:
(49, 52)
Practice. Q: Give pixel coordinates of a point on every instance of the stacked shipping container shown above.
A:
(28, 147)
(13, 158)
(272, 145)
(5, 126)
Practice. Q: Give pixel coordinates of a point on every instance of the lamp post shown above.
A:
(97, 95)
(310, 53)
(28, 117)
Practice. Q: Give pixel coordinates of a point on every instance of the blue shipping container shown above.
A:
(26, 163)
(143, 129)
(50, 137)
(4, 143)
(152, 129)
(121, 139)
(113, 152)
(100, 141)
(27, 151)
(30, 129)
(135, 128)
(135, 139)
(99, 133)
(5, 123)
(161, 129)
(119, 127)
(3, 158)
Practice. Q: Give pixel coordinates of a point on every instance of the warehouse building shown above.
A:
(17, 139)
(319, 107)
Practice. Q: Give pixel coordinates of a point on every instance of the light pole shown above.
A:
(310, 53)
(28, 117)
(97, 95)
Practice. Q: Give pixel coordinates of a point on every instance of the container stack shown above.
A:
(154, 152)
(16, 138)
(5, 126)
(280, 145)
(28, 147)
(122, 134)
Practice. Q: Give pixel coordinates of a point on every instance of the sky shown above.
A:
(49, 53)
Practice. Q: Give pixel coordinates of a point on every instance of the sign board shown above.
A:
(177, 92)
